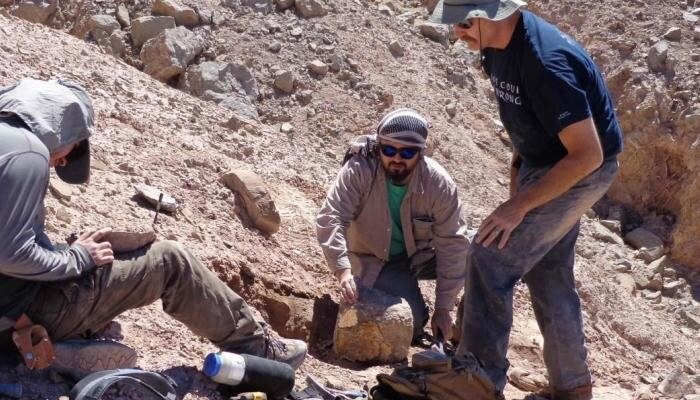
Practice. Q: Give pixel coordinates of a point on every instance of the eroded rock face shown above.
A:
(660, 163)
(168, 54)
(377, 329)
(255, 199)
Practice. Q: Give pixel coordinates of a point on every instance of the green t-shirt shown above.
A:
(395, 197)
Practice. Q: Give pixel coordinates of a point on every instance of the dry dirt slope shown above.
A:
(150, 132)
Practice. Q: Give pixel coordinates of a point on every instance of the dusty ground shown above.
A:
(149, 132)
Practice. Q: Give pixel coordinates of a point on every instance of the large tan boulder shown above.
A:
(145, 28)
(183, 15)
(379, 328)
(254, 198)
(168, 54)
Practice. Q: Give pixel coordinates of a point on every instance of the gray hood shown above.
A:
(59, 112)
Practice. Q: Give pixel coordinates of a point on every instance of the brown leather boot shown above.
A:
(579, 393)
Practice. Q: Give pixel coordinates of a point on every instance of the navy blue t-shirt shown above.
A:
(544, 82)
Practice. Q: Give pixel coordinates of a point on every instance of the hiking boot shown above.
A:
(579, 393)
(80, 358)
(288, 351)
(528, 381)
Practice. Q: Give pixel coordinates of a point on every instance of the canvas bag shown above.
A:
(436, 376)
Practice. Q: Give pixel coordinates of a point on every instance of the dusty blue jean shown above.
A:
(398, 279)
(541, 253)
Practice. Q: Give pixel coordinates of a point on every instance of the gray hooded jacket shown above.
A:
(36, 118)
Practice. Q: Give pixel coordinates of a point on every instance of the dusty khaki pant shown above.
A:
(190, 292)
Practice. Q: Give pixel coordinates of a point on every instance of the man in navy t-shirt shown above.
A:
(560, 118)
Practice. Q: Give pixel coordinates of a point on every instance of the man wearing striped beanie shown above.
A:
(393, 217)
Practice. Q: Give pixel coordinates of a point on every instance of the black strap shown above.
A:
(93, 386)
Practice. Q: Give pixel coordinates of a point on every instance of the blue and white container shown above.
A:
(225, 368)
(246, 373)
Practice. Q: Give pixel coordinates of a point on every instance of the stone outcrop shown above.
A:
(254, 199)
(168, 54)
(661, 160)
(379, 328)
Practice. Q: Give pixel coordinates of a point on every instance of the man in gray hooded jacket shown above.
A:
(82, 287)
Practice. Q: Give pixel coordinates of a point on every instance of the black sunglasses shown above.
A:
(466, 24)
(406, 153)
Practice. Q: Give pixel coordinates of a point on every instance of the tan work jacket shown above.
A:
(354, 224)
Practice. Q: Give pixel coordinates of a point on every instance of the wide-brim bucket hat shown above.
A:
(455, 11)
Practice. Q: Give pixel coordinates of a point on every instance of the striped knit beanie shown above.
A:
(404, 126)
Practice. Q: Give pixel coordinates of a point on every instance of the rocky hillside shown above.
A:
(650, 54)
(186, 92)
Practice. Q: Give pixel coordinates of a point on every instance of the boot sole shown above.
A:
(81, 358)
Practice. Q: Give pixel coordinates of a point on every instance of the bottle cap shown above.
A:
(212, 365)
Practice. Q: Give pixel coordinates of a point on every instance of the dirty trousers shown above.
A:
(540, 251)
(399, 279)
(190, 292)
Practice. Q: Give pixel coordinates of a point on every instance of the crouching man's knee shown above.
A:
(171, 255)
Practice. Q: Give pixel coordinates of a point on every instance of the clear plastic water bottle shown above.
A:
(246, 373)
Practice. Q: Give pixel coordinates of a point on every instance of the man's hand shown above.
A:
(502, 221)
(442, 322)
(101, 253)
(347, 286)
